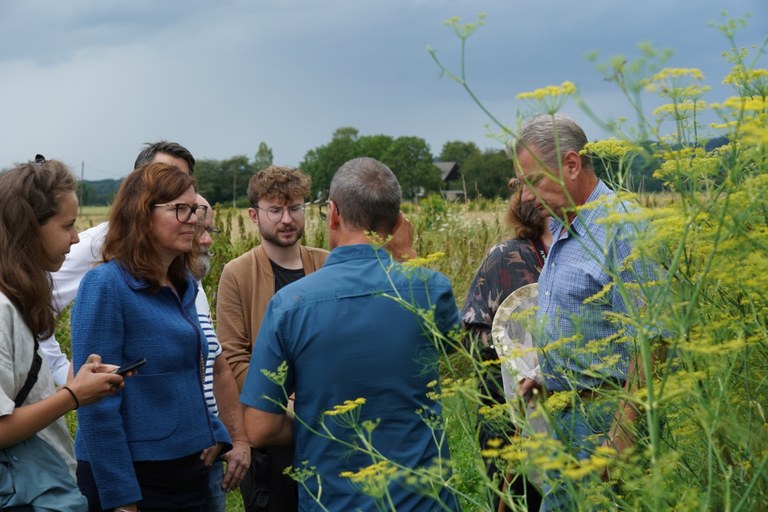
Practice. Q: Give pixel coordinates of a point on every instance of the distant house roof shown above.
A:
(449, 171)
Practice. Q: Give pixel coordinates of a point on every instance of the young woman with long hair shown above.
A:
(38, 207)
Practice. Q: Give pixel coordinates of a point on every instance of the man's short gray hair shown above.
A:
(367, 195)
(551, 136)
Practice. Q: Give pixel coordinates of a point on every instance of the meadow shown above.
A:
(702, 439)
(463, 232)
(710, 451)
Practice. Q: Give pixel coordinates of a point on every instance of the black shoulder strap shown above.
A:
(37, 362)
(540, 250)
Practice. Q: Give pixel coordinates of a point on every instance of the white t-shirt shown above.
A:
(16, 353)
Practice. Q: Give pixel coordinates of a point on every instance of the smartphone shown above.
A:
(129, 367)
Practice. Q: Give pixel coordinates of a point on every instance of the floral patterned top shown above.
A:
(508, 266)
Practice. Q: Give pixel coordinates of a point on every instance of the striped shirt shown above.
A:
(214, 347)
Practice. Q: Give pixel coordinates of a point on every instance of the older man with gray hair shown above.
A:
(583, 350)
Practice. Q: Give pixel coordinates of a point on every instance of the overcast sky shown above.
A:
(92, 80)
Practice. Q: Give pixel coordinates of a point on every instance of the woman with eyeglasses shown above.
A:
(141, 448)
(38, 207)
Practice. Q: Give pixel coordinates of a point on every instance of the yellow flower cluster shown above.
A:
(678, 111)
(748, 115)
(557, 402)
(347, 406)
(701, 167)
(672, 83)
(495, 411)
(593, 465)
(688, 164)
(520, 448)
(672, 73)
(551, 98)
(565, 89)
(451, 387)
(302, 474)
(749, 82)
(372, 480)
(277, 377)
(464, 30)
(609, 149)
(755, 130)
(425, 261)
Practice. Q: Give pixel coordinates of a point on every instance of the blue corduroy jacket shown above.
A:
(161, 413)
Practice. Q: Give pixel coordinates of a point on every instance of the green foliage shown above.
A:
(263, 158)
(487, 174)
(321, 163)
(458, 151)
(223, 181)
(408, 157)
(411, 161)
(701, 442)
(235, 239)
(98, 192)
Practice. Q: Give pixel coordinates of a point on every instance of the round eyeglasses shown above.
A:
(184, 211)
(275, 213)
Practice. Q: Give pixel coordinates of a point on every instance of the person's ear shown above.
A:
(254, 215)
(334, 219)
(571, 164)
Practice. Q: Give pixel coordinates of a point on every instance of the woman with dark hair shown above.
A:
(142, 448)
(507, 266)
(38, 207)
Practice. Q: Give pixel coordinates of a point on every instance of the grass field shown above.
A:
(710, 448)
(239, 234)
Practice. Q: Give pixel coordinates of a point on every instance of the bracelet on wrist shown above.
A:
(74, 396)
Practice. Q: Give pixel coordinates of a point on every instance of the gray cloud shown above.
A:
(90, 81)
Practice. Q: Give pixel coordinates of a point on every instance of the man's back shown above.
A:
(344, 341)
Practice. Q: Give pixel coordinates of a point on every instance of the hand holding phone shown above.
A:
(130, 367)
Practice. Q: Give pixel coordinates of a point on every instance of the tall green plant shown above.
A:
(702, 442)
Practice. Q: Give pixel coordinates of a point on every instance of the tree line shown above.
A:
(482, 173)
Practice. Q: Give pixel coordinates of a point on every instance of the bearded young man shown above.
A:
(247, 284)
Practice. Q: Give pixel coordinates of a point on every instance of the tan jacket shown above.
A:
(247, 284)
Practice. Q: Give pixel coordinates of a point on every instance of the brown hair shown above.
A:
(282, 183)
(524, 217)
(128, 239)
(29, 197)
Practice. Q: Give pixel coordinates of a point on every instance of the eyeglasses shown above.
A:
(323, 213)
(184, 211)
(275, 213)
(213, 231)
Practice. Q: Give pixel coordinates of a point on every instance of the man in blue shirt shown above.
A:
(582, 348)
(361, 361)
